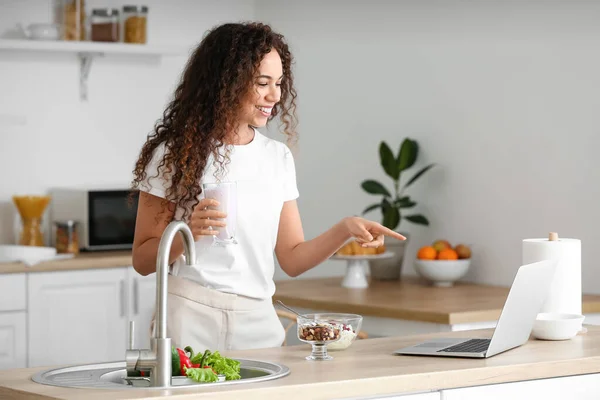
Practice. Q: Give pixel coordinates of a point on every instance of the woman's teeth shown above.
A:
(266, 110)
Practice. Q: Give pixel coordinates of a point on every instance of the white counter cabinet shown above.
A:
(13, 340)
(83, 316)
(13, 321)
(415, 396)
(580, 387)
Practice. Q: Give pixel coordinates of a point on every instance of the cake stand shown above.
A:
(356, 269)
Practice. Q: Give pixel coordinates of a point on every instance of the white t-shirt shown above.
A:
(265, 175)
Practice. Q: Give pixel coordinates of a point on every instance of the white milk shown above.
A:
(226, 194)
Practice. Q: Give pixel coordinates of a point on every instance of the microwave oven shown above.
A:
(105, 219)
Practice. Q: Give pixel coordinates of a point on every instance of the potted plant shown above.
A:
(394, 203)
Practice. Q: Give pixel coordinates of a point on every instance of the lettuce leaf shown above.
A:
(201, 374)
(223, 365)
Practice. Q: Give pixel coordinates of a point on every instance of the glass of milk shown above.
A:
(226, 194)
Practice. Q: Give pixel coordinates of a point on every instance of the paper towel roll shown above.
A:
(565, 291)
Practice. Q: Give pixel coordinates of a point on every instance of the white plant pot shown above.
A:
(390, 268)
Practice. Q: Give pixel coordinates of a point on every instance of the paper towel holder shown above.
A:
(553, 236)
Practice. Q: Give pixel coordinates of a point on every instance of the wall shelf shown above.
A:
(91, 47)
(86, 51)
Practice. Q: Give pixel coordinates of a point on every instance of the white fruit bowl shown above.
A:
(442, 272)
(557, 326)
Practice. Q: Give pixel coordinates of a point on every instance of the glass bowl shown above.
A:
(326, 329)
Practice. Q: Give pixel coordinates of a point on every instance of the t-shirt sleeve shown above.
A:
(155, 183)
(290, 188)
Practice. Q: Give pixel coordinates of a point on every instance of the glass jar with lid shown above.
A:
(135, 24)
(104, 24)
(66, 237)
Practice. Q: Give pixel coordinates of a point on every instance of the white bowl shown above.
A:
(557, 326)
(29, 255)
(41, 31)
(442, 272)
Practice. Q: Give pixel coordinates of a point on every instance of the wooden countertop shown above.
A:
(408, 299)
(367, 368)
(102, 259)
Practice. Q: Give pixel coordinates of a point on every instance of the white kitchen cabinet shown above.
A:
(83, 316)
(13, 289)
(580, 387)
(143, 301)
(414, 396)
(13, 340)
(13, 321)
(77, 316)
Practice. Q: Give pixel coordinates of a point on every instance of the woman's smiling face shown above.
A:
(265, 93)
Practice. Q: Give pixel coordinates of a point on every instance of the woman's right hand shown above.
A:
(205, 218)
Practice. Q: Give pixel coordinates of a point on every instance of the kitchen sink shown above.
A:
(114, 376)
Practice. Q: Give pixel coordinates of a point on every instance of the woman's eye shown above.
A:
(262, 84)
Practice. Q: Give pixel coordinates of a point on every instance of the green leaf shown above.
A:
(388, 162)
(417, 219)
(224, 365)
(201, 374)
(404, 202)
(407, 154)
(418, 174)
(391, 215)
(371, 208)
(374, 187)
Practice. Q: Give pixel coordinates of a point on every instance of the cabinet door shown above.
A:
(580, 387)
(13, 289)
(13, 340)
(415, 396)
(77, 317)
(142, 300)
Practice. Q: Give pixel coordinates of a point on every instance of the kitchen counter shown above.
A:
(367, 368)
(101, 259)
(409, 299)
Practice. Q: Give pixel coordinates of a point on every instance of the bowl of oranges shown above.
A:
(443, 264)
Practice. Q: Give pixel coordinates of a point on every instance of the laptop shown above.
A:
(525, 299)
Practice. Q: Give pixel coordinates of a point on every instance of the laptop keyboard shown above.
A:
(470, 346)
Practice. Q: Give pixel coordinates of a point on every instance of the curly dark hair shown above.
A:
(218, 76)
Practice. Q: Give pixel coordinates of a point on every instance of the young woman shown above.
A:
(238, 79)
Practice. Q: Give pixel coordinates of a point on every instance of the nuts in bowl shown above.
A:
(318, 332)
(323, 331)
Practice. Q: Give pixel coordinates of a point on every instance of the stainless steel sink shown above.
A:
(114, 376)
(157, 359)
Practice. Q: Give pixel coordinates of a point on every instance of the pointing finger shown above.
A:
(389, 232)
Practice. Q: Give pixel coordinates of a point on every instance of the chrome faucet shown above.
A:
(157, 360)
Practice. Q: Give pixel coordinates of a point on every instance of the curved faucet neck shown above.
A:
(162, 269)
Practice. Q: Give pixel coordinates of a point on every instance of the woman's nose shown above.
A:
(274, 94)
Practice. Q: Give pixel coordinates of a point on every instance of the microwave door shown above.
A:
(111, 220)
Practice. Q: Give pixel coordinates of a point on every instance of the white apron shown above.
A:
(205, 318)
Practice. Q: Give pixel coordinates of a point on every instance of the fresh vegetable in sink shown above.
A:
(203, 367)
(180, 361)
(219, 364)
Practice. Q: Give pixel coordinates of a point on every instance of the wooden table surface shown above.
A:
(101, 259)
(365, 369)
(408, 299)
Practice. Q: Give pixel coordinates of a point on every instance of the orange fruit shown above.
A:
(447, 254)
(440, 245)
(463, 251)
(426, 253)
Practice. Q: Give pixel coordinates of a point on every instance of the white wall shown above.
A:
(482, 85)
(503, 95)
(49, 138)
